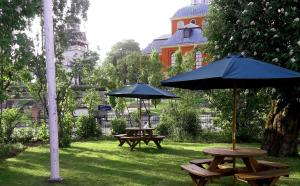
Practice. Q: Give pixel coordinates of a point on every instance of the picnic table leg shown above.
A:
(250, 163)
(157, 143)
(216, 161)
(134, 143)
(121, 142)
(198, 180)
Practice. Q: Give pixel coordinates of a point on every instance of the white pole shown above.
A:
(52, 107)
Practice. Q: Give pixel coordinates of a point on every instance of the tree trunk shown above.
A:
(282, 129)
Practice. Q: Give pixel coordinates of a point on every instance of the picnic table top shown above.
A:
(238, 152)
(138, 129)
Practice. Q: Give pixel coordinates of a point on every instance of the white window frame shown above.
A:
(180, 24)
(199, 59)
(172, 59)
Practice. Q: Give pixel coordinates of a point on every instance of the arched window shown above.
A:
(180, 24)
(173, 59)
(199, 59)
(193, 21)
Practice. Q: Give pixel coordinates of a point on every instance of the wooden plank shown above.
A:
(262, 175)
(198, 171)
(271, 164)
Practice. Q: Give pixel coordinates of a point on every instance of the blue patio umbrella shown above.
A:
(235, 72)
(141, 91)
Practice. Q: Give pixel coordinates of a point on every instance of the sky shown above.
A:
(110, 21)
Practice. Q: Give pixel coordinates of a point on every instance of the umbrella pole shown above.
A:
(234, 127)
(234, 118)
(140, 119)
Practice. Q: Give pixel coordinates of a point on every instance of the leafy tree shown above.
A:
(155, 75)
(120, 50)
(233, 26)
(16, 48)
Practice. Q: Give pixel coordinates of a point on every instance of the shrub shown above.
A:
(10, 119)
(119, 125)
(179, 122)
(42, 132)
(23, 135)
(86, 127)
(65, 131)
(10, 150)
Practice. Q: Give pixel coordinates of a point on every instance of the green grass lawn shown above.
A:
(104, 163)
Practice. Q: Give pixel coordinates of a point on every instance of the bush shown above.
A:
(23, 135)
(65, 131)
(179, 122)
(86, 127)
(119, 125)
(10, 150)
(10, 119)
(42, 132)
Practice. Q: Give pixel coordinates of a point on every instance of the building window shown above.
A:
(199, 59)
(180, 24)
(187, 33)
(193, 21)
(173, 59)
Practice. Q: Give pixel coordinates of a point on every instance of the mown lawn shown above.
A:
(102, 162)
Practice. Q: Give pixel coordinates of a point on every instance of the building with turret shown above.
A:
(186, 34)
(77, 46)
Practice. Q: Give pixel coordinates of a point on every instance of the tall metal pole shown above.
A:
(52, 107)
(234, 128)
(234, 118)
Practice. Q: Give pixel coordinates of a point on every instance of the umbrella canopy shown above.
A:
(142, 91)
(235, 71)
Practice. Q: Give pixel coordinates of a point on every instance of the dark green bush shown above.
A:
(87, 127)
(65, 131)
(119, 125)
(179, 122)
(10, 119)
(10, 150)
(42, 132)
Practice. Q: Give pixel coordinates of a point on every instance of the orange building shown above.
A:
(186, 34)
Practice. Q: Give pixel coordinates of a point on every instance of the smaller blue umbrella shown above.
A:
(141, 91)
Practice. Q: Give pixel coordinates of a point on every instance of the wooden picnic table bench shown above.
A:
(201, 162)
(269, 177)
(199, 175)
(118, 136)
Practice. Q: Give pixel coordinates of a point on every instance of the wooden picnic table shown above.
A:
(134, 136)
(248, 155)
(135, 131)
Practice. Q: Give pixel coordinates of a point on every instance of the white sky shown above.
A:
(110, 21)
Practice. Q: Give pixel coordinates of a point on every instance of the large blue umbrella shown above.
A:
(141, 91)
(235, 72)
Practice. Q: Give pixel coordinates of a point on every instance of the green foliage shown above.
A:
(86, 127)
(65, 130)
(16, 48)
(91, 100)
(119, 125)
(10, 119)
(42, 132)
(10, 150)
(23, 135)
(179, 122)
(252, 107)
